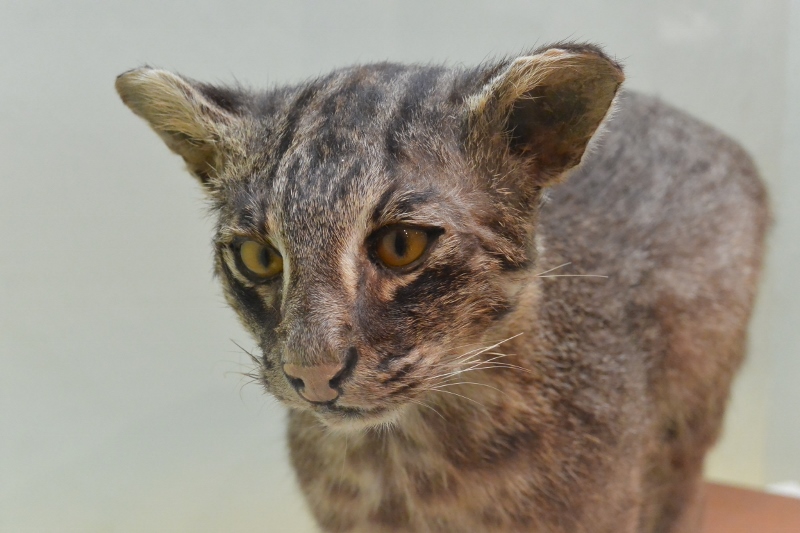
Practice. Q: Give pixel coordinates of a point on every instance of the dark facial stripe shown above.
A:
(414, 99)
(383, 202)
(290, 127)
(399, 375)
(389, 204)
(342, 194)
(445, 279)
(250, 206)
(249, 299)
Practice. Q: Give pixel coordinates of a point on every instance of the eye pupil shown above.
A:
(401, 243)
(400, 246)
(266, 256)
(259, 260)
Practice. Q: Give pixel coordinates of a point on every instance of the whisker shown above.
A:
(542, 274)
(500, 356)
(477, 366)
(344, 457)
(574, 276)
(469, 383)
(468, 355)
(483, 350)
(481, 367)
(554, 268)
(460, 396)
(253, 358)
(423, 404)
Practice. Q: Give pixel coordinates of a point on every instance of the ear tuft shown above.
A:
(543, 109)
(189, 123)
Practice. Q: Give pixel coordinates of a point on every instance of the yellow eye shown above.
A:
(261, 261)
(400, 246)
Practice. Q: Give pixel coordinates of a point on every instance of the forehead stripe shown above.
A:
(289, 127)
(414, 98)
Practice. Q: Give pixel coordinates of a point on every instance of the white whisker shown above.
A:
(486, 349)
(554, 268)
(437, 387)
(344, 457)
(574, 276)
(460, 396)
(482, 367)
(423, 404)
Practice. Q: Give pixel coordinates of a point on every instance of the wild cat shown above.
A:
(464, 346)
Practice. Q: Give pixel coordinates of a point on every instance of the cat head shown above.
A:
(375, 223)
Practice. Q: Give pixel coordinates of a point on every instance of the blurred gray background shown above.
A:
(122, 404)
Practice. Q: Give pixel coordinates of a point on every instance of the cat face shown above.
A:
(375, 224)
(389, 264)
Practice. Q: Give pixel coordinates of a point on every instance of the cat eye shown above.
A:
(261, 261)
(400, 246)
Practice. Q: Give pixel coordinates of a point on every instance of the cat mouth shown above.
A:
(345, 417)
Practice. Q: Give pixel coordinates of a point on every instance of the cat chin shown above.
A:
(359, 421)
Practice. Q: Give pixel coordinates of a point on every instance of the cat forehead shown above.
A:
(330, 202)
(362, 98)
(367, 112)
(350, 141)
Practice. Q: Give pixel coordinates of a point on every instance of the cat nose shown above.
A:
(313, 382)
(319, 383)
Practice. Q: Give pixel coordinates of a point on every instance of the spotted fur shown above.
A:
(560, 359)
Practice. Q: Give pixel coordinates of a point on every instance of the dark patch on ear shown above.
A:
(228, 99)
(531, 124)
(540, 112)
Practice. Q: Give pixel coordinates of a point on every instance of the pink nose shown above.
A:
(315, 383)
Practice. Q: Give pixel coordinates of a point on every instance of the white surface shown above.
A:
(785, 488)
(120, 406)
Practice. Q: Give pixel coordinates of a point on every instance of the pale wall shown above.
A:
(121, 407)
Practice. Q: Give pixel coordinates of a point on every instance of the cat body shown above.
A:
(549, 359)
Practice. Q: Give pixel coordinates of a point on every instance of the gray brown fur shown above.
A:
(607, 392)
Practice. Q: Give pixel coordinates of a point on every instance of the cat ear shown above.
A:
(541, 110)
(195, 121)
